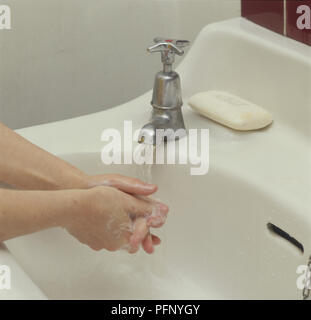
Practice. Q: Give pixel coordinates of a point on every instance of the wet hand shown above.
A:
(126, 184)
(107, 218)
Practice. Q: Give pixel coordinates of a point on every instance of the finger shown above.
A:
(127, 243)
(147, 244)
(132, 250)
(158, 216)
(128, 184)
(140, 231)
(142, 207)
(155, 240)
(156, 221)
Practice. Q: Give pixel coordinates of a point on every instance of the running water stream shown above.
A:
(156, 261)
(146, 154)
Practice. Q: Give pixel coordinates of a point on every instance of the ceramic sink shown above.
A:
(238, 232)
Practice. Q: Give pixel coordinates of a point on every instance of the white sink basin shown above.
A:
(216, 243)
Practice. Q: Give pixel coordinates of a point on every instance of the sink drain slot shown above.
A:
(281, 233)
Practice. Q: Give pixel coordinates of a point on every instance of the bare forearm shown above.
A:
(26, 166)
(25, 212)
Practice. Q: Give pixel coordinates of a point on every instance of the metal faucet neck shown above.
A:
(167, 68)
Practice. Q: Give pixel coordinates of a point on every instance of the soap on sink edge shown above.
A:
(230, 110)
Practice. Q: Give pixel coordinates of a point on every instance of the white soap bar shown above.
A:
(230, 110)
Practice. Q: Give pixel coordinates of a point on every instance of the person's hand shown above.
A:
(123, 183)
(107, 218)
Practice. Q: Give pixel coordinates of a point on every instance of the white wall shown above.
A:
(65, 58)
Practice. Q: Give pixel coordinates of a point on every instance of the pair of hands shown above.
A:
(115, 213)
(104, 211)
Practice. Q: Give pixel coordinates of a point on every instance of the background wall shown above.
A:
(65, 58)
(280, 16)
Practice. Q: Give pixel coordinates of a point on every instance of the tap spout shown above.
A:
(165, 125)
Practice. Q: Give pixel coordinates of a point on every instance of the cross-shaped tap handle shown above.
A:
(168, 48)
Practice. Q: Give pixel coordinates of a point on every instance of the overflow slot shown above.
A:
(276, 231)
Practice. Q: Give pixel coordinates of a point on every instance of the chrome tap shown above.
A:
(166, 121)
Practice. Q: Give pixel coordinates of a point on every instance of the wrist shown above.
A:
(74, 181)
(74, 203)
